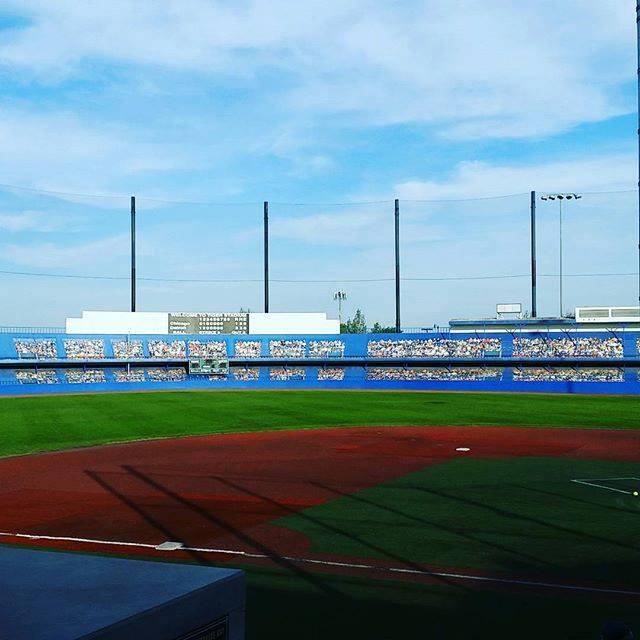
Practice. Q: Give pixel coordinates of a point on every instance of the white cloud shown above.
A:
(476, 69)
(59, 150)
(90, 256)
(347, 228)
(36, 221)
(481, 179)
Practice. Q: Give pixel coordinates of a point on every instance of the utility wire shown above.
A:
(143, 198)
(31, 274)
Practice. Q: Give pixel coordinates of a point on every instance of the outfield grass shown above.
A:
(46, 423)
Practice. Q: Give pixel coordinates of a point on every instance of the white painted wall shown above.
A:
(96, 322)
(301, 323)
(119, 322)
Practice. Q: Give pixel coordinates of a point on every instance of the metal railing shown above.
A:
(38, 330)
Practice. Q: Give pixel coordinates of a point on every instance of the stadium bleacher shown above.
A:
(544, 361)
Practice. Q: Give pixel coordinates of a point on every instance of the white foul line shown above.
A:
(603, 486)
(330, 563)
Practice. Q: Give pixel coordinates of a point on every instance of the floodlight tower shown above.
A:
(340, 296)
(560, 197)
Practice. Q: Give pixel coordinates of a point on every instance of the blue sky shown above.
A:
(329, 101)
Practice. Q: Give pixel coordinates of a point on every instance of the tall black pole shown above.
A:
(133, 253)
(397, 240)
(638, 72)
(266, 257)
(534, 299)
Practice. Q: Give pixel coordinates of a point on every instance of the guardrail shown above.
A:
(37, 330)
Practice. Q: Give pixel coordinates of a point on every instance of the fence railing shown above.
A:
(39, 330)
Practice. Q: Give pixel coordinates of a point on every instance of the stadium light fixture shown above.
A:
(560, 197)
(340, 297)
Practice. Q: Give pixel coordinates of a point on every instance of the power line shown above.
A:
(32, 274)
(438, 200)
(70, 194)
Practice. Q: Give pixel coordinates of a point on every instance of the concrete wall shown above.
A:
(100, 322)
(292, 323)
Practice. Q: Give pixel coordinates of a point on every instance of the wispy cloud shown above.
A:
(89, 257)
(478, 69)
(35, 221)
(482, 179)
(60, 150)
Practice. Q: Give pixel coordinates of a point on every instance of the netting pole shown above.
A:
(266, 257)
(133, 253)
(638, 74)
(397, 254)
(534, 306)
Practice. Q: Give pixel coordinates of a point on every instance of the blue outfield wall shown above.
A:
(599, 388)
(357, 376)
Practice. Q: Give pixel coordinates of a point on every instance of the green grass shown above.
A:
(516, 516)
(58, 422)
(280, 607)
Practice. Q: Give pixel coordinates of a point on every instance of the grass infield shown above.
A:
(46, 423)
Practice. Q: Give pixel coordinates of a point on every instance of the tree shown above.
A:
(357, 324)
(378, 328)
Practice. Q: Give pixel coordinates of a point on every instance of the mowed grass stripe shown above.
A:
(32, 424)
(516, 515)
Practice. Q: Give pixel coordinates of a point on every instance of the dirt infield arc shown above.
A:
(225, 491)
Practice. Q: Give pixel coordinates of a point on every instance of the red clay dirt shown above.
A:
(224, 491)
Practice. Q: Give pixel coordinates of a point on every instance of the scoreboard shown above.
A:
(209, 323)
(209, 366)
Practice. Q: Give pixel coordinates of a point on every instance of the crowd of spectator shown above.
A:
(331, 373)
(542, 374)
(208, 349)
(83, 349)
(433, 348)
(248, 349)
(399, 374)
(79, 376)
(567, 347)
(127, 349)
(453, 373)
(39, 376)
(130, 375)
(39, 348)
(326, 348)
(284, 373)
(162, 349)
(246, 373)
(172, 374)
(287, 348)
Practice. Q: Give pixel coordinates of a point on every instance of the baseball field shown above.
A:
(354, 514)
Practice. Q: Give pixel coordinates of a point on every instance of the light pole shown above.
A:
(560, 197)
(340, 296)
(638, 132)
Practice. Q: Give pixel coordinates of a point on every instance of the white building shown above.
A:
(145, 322)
